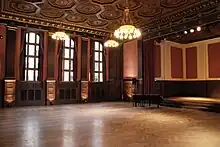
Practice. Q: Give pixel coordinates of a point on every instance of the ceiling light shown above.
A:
(127, 31)
(111, 43)
(185, 32)
(192, 30)
(198, 29)
(60, 36)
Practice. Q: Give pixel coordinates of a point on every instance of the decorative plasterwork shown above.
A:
(62, 4)
(104, 15)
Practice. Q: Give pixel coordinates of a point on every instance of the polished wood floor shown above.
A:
(108, 125)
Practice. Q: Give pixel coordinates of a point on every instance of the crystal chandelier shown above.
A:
(111, 43)
(60, 36)
(127, 31)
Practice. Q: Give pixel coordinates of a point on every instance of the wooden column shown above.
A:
(85, 68)
(10, 77)
(2, 61)
(79, 60)
(51, 67)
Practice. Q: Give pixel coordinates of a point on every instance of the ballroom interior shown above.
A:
(69, 70)
(173, 54)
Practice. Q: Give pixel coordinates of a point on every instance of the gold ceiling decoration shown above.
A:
(97, 16)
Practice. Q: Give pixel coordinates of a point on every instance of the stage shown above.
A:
(203, 103)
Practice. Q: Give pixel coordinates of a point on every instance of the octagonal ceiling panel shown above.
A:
(103, 15)
(172, 3)
(104, 1)
(132, 4)
(76, 18)
(34, 1)
(97, 22)
(88, 8)
(110, 13)
(23, 7)
(150, 12)
(62, 4)
(52, 12)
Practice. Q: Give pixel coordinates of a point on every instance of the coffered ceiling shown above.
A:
(103, 16)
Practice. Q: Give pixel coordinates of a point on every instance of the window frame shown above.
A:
(36, 57)
(100, 63)
(69, 59)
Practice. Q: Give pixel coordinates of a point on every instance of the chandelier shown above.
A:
(127, 31)
(111, 43)
(60, 36)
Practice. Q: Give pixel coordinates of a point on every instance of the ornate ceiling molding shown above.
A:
(151, 16)
(46, 23)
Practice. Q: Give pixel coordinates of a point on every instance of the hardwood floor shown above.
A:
(107, 125)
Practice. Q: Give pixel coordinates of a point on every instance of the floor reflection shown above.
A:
(31, 132)
(108, 125)
(97, 132)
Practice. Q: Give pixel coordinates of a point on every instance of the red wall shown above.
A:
(214, 60)
(191, 63)
(157, 61)
(130, 53)
(176, 62)
(2, 50)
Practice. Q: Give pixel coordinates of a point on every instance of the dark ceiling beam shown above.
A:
(182, 26)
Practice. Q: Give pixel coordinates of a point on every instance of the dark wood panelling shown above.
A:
(213, 58)
(51, 57)
(10, 53)
(157, 64)
(99, 92)
(191, 62)
(176, 62)
(67, 92)
(189, 88)
(115, 73)
(115, 64)
(84, 59)
(30, 93)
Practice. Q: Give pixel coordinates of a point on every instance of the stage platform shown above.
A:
(202, 103)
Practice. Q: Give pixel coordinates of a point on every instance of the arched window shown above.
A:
(68, 60)
(98, 62)
(32, 46)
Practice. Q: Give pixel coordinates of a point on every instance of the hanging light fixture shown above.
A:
(111, 43)
(127, 31)
(60, 35)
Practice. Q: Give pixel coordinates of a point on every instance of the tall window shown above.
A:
(68, 60)
(98, 62)
(32, 45)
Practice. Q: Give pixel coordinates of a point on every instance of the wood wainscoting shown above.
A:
(205, 88)
(67, 92)
(30, 93)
